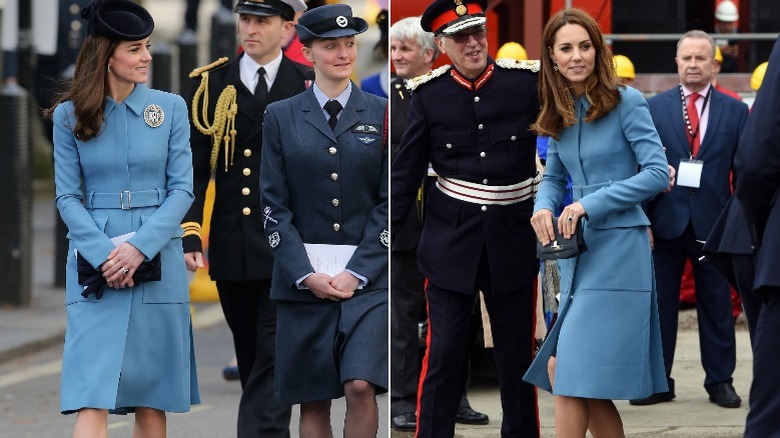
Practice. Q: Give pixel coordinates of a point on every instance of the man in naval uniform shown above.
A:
(471, 122)
(226, 141)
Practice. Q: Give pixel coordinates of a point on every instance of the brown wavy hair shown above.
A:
(555, 91)
(88, 89)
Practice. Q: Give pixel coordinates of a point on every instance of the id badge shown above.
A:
(689, 173)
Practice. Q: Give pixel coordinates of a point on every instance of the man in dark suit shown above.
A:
(471, 122)
(700, 128)
(240, 259)
(757, 166)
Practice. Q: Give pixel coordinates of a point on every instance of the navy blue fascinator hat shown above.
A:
(329, 21)
(118, 20)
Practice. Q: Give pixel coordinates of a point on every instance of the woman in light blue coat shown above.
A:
(606, 343)
(123, 168)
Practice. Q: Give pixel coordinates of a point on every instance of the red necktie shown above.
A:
(693, 117)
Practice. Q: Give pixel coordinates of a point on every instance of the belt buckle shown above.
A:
(122, 195)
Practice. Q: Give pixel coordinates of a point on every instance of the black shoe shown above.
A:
(724, 395)
(658, 397)
(466, 415)
(406, 422)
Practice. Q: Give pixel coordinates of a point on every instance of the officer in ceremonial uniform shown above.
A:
(227, 109)
(471, 122)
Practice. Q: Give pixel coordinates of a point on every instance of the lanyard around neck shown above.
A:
(693, 133)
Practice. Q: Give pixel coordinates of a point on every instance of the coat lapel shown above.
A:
(314, 116)
(351, 113)
(716, 110)
(676, 115)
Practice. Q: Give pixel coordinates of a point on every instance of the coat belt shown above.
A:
(126, 199)
(484, 194)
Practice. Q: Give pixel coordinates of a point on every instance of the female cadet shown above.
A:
(606, 342)
(123, 174)
(324, 190)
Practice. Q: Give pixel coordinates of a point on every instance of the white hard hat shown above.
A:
(726, 11)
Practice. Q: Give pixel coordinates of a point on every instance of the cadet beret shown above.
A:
(118, 20)
(267, 8)
(329, 21)
(452, 16)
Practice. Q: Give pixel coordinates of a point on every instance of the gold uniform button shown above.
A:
(336, 227)
(332, 150)
(247, 211)
(482, 154)
(247, 171)
(247, 152)
(484, 208)
(334, 176)
(245, 191)
(335, 202)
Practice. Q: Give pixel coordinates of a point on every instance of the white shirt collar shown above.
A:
(248, 70)
(322, 99)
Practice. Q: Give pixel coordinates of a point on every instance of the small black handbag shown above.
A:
(93, 281)
(560, 247)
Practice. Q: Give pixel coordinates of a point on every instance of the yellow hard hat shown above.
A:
(512, 50)
(624, 67)
(718, 55)
(758, 76)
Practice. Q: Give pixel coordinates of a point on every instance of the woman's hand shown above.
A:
(345, 282)
(542, 224)
(119, 267)
(570, 215)
(320, 285)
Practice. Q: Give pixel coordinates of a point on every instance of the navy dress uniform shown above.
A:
(132, 347)
(323, 185)
(477, 233)
(240, 259)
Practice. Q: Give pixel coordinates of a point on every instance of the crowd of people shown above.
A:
(324, 301)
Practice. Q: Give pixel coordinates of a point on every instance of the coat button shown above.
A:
(513, 138)
(247, 211)
(332, 150)
(335, 202)
(484, 181)
(336, 227)
(476, 98)
(480, 126)
(484, 208)
(245, 191)
(247, 152)
(334, 176)
(448, 145)
(482, 154)
(247, 171)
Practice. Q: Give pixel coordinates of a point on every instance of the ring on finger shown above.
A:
(569, 219)
(125, 270)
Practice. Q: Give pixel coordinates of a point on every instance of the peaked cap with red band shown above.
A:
(452, 16)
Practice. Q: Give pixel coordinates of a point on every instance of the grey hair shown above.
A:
(697, 34)
(409, 28)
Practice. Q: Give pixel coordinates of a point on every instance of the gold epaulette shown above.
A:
(531, 64)
(195, 73)
(412, 84)
(222, 128)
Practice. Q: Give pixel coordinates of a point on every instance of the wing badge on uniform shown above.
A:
(366, 140)
(274, 239)
(154, 115)
(384, 238)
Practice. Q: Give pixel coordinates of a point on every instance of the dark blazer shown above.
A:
(238, 250)
(450, 126)
(671, 212)
(758, 165)
(326, 186)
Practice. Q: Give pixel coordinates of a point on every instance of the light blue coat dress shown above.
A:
(133, 347)
(607, 337)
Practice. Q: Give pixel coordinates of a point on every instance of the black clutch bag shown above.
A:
(94, 282)
(560, 247)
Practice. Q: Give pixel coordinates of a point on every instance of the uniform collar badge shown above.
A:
(154, 115)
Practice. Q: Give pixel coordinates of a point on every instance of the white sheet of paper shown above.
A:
(329, 259)
(689, 173)
(118, 240)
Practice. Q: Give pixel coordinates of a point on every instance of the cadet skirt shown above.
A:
(131, 348)
(607, 338)
(321, 345)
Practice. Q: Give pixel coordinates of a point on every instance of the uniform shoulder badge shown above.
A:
(412, 84)
(218, 63)
(532, 65)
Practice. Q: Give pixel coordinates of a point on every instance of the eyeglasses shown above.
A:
(479, 34)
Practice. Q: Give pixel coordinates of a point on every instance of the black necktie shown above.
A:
(261, 89)
(332, 107)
